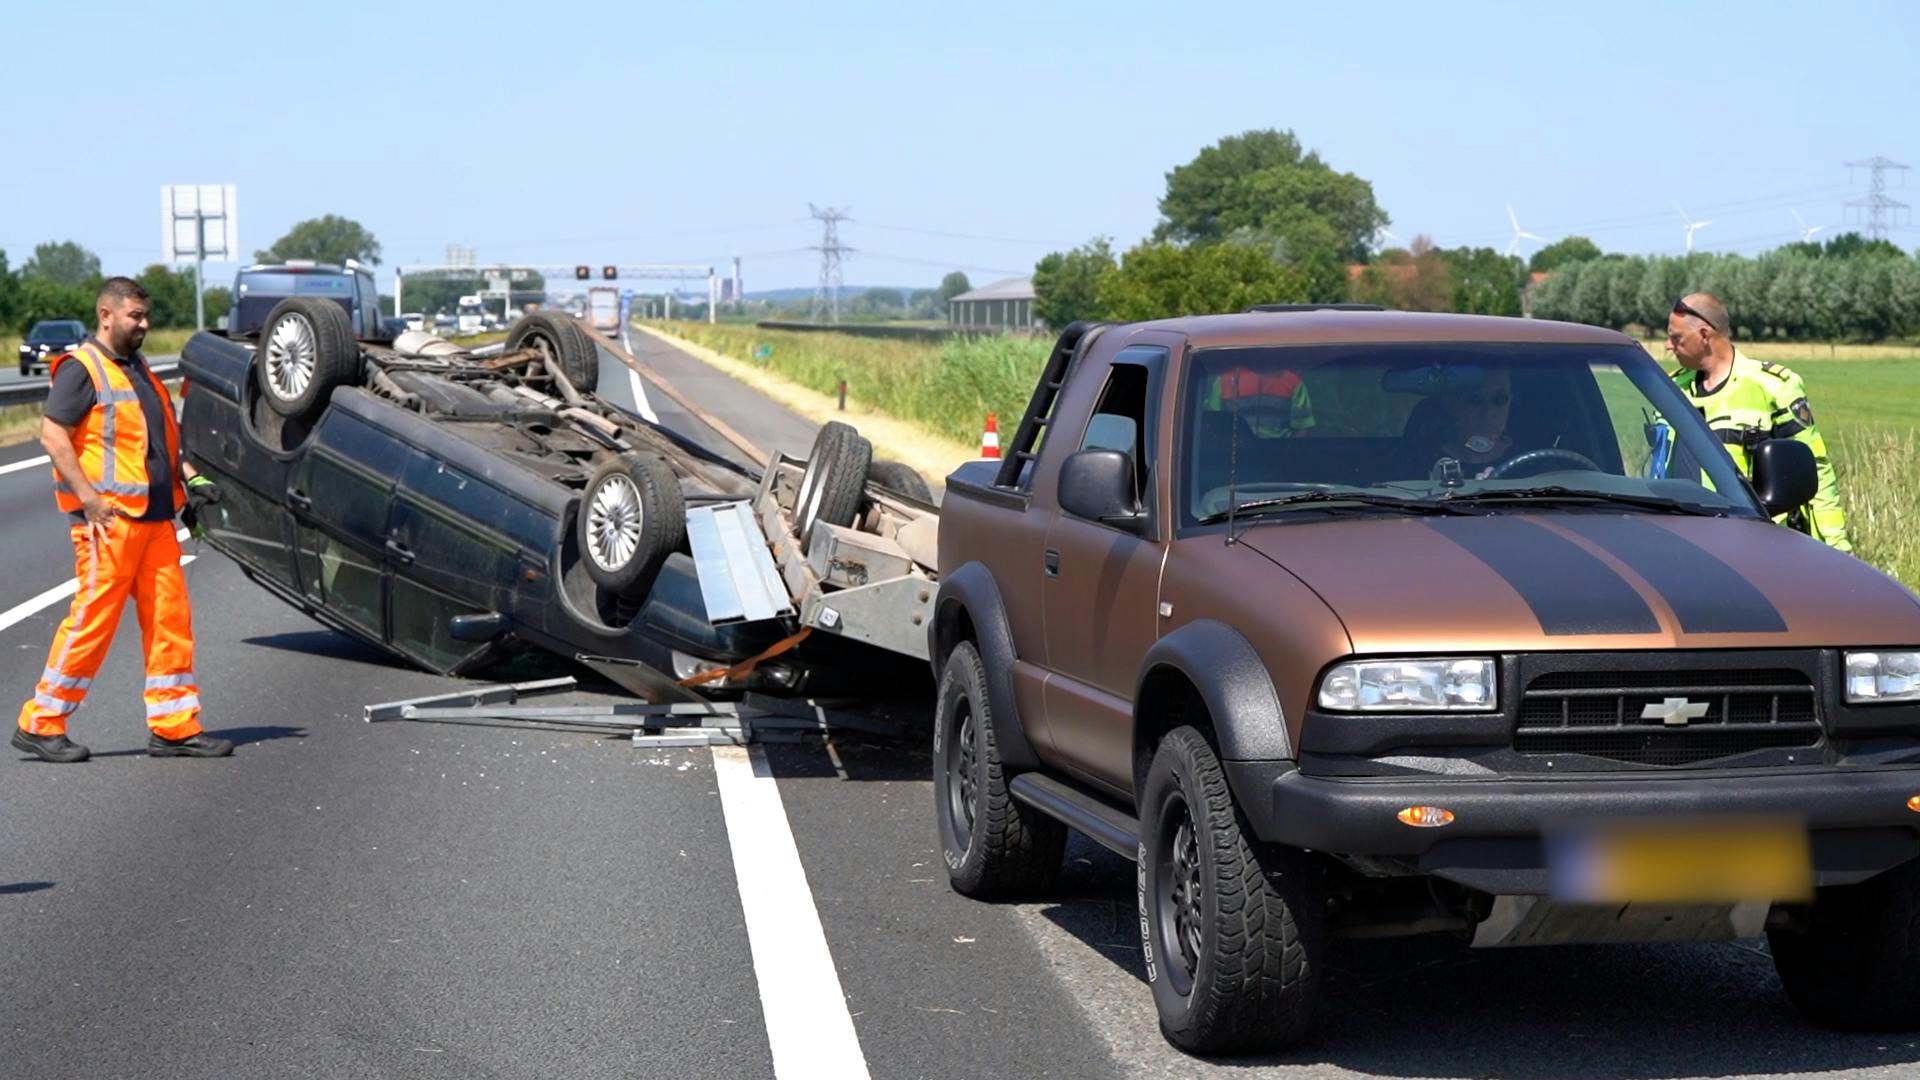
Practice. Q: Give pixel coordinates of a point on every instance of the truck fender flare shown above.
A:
(1234, 683)
(969, 594)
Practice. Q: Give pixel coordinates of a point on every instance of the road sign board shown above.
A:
(199, 221)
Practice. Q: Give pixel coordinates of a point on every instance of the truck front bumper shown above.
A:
(1857, 818)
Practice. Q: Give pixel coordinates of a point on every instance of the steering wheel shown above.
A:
(1551, 453)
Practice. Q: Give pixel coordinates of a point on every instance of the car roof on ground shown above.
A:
(1340, 327)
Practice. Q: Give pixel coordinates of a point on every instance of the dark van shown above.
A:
(258, 288)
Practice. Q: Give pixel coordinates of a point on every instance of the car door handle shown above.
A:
(1052, 563)
(299, 499)
(400, 553)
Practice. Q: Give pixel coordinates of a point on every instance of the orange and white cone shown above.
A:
(990, 438)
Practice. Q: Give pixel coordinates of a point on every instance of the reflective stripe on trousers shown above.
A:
(138, 560)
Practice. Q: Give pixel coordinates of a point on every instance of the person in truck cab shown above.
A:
(1478, 417)
(1747, 401)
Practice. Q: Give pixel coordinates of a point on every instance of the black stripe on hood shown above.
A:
(1569, 590)
(1707, 595)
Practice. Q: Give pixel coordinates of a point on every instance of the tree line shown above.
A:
(60, 280)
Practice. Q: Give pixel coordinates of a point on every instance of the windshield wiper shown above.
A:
(1562, 495)
(1325, 499)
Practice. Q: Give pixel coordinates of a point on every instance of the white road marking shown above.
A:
(808, 1026)
(640, 397)
(28, 608)
(27, 464)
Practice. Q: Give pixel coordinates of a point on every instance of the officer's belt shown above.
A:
(1750, 436)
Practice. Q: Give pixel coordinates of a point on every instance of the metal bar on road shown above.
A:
(498, 693)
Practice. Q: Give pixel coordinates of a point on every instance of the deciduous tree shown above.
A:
(327, 239)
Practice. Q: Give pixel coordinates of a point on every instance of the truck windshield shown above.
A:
(1507, 426)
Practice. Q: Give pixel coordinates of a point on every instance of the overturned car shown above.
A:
(452, 507)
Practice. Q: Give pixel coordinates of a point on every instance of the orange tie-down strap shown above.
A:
(745, 667)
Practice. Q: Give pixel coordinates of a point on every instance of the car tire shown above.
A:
(632, 516)
(901, 479)
(995, 846)
(306, 350)
(1233, 934)
(563, 339)
(833, 485)
(1854, 964)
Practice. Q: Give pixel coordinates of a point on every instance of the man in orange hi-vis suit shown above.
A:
(118, 474)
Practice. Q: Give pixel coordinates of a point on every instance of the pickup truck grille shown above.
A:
(1603, 714)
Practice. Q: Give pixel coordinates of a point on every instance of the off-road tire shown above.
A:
(1855, 963)
(1008, 849)
(632, 516)
(833, 485)
(572, 347)
(1258, 944)
(901, 479)
(298, 365)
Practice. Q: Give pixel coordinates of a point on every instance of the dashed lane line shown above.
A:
(808, 1027)
(28, 608)
(27, 464)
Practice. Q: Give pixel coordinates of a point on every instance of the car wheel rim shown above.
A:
(1182, 894)
(291, 351)
(961, 786)
(613, 522)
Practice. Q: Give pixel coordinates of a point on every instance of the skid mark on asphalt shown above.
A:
(808, 1026)
(28, 608)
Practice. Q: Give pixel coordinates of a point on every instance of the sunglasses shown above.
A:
(1680, 308)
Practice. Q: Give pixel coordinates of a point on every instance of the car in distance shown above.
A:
(258, 289)
(1353, 623)
(48, 338)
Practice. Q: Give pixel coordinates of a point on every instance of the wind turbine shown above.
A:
(1806, 231)
(1690, 225)
(1519, 233)
(1381, 235)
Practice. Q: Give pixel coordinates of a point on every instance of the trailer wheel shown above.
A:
(834, 481)
(306, 350)
(561, 339)
(901, 479)
(631, 518)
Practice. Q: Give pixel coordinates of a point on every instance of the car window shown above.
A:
(1427, 421)
(1121, 418)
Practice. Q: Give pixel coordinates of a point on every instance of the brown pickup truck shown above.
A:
(1353, 623)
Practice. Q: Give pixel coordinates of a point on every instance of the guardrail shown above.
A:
(34, 393)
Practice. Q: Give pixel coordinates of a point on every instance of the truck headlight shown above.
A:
(1454, 684)
(1874, 677)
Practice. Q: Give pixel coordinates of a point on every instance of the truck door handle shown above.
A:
(399, 552)
(299, 499)
(1052, 563)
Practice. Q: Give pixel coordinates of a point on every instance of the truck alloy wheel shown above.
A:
(994, 845)
(833, 485)
(306, 350)
(1233, 933)
(632, 516)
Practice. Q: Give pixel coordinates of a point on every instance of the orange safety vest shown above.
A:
(112, 440)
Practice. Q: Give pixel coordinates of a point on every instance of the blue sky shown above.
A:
(977, 135)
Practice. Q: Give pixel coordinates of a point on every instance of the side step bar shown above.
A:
(1103, 823)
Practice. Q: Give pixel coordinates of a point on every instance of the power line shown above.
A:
(969, 236)
(827, 293)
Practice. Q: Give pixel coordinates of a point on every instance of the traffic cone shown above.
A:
(990, 438)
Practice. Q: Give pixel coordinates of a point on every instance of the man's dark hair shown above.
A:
(120, 289)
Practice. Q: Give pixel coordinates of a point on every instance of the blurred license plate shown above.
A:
(1661, 861)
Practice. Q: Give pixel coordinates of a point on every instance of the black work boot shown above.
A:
(55, 748)
(196, 745)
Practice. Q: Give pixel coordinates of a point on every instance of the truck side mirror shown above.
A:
(1098, 485)
(1784, 474)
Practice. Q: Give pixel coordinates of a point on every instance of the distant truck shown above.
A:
(603, 306)
(472, 316)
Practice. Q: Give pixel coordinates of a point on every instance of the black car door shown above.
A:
(340, 494)
(452, 549)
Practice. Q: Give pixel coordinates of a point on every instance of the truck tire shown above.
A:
(563, 339)
(995, 846)
(632, 516)
(833, 484)
(901, 479)
(1234, 934)
(1855, 964)
(306, 350)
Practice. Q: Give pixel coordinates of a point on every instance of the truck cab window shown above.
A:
(1119, 421)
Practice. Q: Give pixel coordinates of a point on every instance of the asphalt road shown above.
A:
(343, 899)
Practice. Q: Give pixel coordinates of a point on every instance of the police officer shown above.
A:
(118, 474)
(1746, 401)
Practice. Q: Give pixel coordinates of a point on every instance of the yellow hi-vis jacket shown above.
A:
(1763, 400)
(112, 441)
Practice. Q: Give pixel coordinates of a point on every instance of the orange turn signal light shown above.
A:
(1913, 803)
(1432, 817)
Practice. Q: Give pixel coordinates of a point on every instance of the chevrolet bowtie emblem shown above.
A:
(1674, 711)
